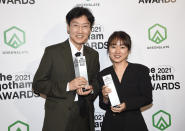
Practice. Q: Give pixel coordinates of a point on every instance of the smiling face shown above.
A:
(79, 30)
(118, 52)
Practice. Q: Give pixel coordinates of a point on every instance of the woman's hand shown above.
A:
(119, 108)
(105, 92)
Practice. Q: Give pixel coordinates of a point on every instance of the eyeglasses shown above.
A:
(79, 26)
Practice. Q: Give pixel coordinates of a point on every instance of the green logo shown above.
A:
(161, 120)
(18, 126)
(157, 33)
(14, 37)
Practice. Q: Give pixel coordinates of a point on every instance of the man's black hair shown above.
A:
(77, 12)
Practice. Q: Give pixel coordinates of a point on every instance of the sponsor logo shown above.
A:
(157, 33)
(14, 37)
(89, 3)
(161, 120)
(18, 126)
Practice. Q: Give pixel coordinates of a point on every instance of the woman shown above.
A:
(133, 85)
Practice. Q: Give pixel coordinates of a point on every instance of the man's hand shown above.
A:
(43, 95)
(83, 93)
(77, 83)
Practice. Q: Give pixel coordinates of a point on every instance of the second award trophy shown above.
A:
(113, 96)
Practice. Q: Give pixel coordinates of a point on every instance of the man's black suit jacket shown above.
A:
(55, 71)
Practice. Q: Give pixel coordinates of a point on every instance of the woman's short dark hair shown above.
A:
(119, 36)
(77, 12)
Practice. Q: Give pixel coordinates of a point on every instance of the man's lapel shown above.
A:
(68, 60)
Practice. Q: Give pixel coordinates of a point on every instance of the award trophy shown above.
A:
(113, 96)
(81, 68)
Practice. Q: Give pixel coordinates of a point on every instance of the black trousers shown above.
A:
(76, 121)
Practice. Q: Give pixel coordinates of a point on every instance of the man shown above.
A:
(68, 107)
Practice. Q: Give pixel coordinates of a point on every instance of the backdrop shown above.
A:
(157, 29)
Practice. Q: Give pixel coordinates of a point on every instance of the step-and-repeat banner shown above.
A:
(157, 29)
